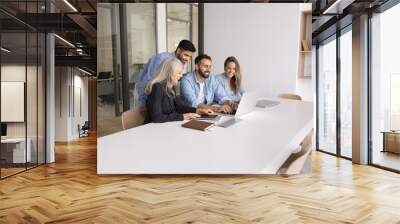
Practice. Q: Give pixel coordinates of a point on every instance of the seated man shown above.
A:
(200, 89)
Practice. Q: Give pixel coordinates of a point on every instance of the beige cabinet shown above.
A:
(391, 142)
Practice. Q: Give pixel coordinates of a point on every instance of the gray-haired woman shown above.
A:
(161, 103)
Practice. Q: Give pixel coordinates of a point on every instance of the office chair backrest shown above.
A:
(86, 125)
(132, 118)
(290, 96)
(299, 160)
(296, 162)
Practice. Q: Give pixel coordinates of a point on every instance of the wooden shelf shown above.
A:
(305, 48)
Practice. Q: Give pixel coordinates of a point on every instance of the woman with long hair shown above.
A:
(162, 104)
(231, 79)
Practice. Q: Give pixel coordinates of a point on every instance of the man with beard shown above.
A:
(183, 52)
(201, 89)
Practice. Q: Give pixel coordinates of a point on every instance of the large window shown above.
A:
(327, 96)
(346, 93)
(335, 94)
(385, 89)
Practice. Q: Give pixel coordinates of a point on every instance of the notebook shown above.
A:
(198, 125)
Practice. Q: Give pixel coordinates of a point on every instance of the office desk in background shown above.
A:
(13, 150)
(259, 144)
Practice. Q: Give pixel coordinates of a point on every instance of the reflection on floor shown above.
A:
(386, 159)
(13, 168)
(70, 191)
(10, 171)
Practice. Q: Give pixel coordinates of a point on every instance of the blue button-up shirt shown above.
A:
(190, 88)
(149, 72)
(223, 81)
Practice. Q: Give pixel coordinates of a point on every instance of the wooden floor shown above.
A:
(387, 159)
(70, 191)
(10, 171)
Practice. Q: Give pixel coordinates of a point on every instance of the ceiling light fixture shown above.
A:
(64, 40)
(337, 7)
(70, 5)
(5, 50)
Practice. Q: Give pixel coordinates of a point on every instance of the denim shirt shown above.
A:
(190, 88)
(223, 80)
(149, 72)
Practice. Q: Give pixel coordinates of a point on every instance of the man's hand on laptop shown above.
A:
(203, 110)
(234, 105)
(225, 109)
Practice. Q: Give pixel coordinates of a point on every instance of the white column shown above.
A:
(50, 99)
(161, 27)
(360, 90)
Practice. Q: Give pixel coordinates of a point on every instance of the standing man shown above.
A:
(183, 52)
(201, 89)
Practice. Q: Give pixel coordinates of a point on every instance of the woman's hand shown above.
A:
(190, 116)
(208, 111)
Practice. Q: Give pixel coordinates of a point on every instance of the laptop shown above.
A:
(247, 104)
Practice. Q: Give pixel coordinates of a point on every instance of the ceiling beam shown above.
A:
(84, 24)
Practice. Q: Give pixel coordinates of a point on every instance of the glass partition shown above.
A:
(182, 23)
(15, 149)
(22, 88)
(109, 89)
(141, 22)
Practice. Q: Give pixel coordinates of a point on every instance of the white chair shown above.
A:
(296, 162)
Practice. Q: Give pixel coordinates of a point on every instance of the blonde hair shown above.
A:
(235, 81)
(164, 73)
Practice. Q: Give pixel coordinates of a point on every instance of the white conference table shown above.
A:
(259, 144)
